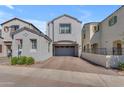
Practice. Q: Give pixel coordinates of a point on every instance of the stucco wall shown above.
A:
(108, 61)
(115, 32)
(97, 59)
(114, 60)
(6, 35)
(41, 53)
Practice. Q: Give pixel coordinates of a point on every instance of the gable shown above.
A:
(15, 19)
(33, 32)
(66, 16)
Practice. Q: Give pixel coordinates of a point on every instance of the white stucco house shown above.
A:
(65, 32)
(19, 35)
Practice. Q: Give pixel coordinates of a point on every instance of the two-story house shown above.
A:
(107, 41)
(19, 35)
(89, 38)
(107, 34)
(65, 32)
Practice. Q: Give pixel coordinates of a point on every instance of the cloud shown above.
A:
(5, 16)
(10, 7)
(39, 24)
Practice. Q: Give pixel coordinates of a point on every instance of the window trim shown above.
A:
(13, 27)
(112, 21)
(65, 30)
(35, 44)
(1, 48)
(49, 46)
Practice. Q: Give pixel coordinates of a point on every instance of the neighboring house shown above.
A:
(65, 32)
(109, 34)
(88, 32)
(112, 32)
(31, 41)
(107, 43)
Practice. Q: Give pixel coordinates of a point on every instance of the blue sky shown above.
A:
(39, 15)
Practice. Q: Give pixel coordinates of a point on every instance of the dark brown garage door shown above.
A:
(64, 50)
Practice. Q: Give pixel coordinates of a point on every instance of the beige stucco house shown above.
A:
(19, 35)
(106, 42)
(107, 34)
(65, 32)
(89, 37)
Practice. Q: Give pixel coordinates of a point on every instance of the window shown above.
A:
(20, 43)
(94, 28)
(65, 28)
(0, 32)
(112, 20)
(0, 48)
(49, 47)
(14, 27)
(84, 36)
(98, 27)
(34, 43)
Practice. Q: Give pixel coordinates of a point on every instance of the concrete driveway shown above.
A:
(73, 64)
(11, 76)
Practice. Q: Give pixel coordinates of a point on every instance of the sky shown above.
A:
(39, 15)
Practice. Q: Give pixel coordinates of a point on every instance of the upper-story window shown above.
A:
(98, 27)
(65, 28)
(94, 28)
(14, 27)
(112, 20)
(84, 36)
(34, 43)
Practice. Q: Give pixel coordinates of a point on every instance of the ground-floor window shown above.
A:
(49, 47)
(117, 47)
(34, 43)
(94, 48)
(0, 48)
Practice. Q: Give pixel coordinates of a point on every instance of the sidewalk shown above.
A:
(22, 76)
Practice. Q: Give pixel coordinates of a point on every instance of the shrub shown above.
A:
(121, 65)
(22, 60)
(14, 60)
(29, 60)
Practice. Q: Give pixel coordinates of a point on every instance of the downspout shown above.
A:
(53, 29)
(53, 37)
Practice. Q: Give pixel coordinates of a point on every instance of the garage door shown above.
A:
(64, 51)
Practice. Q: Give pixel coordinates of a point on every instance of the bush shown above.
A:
(22, 60)
(121, 66)
(14, 60)
(29, 60)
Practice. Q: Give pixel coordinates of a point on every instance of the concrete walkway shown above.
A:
(25, 76)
